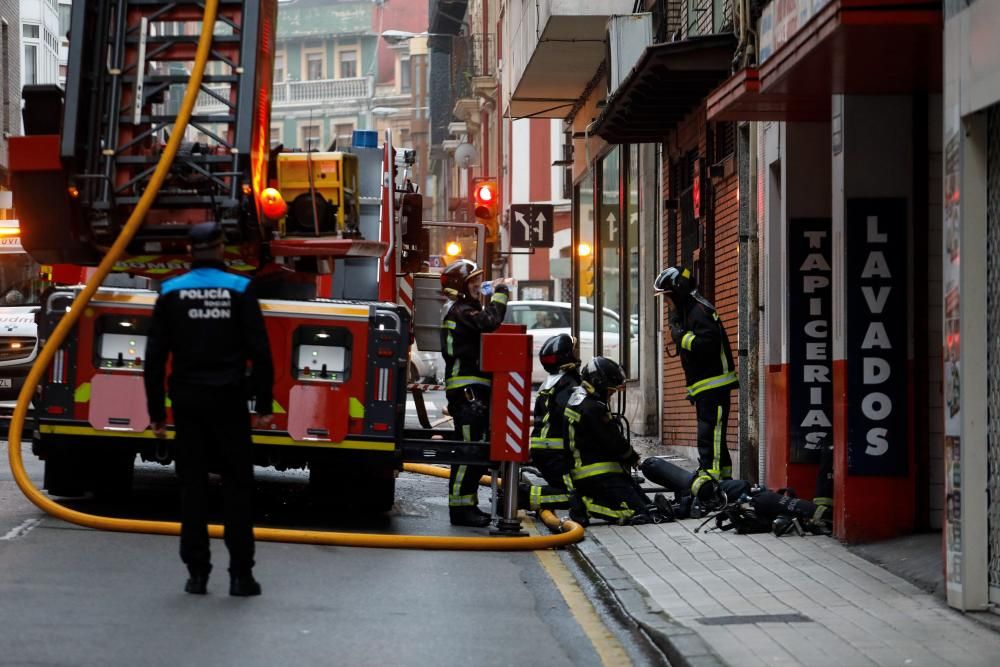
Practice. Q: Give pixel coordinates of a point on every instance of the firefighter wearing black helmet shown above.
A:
(707, 359)
(602, 455)
(467, 387)
(548, 447)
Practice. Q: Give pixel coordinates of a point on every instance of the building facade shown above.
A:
(970, 290)
(10, 80)
(40, 42)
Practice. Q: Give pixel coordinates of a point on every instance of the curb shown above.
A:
(682, 646)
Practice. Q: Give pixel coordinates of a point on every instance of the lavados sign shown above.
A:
(877, 336)
(810, 382)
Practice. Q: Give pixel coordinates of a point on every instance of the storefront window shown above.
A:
(610, 221)
(585, 292)
(631, 328)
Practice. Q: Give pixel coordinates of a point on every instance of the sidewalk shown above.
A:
(751, 600)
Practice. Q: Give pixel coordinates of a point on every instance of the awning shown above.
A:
(666, 84)
(867, 47)
(739, 98)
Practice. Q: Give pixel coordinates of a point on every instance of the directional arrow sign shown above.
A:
(532, 227)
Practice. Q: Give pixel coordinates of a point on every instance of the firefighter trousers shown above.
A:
(714, 463)
(213, 433)
(612, 497)
(472, 419)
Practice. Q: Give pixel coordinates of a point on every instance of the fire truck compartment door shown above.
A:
(317, 413)
(118, 403)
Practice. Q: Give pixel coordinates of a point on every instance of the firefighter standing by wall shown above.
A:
(467, 387)
(602, 456)
(548, 447)
(704, 350)
(210, 323)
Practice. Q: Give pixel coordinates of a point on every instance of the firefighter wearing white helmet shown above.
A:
(707, 359)
(467, 387)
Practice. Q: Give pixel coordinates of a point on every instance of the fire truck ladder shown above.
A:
(134, 66)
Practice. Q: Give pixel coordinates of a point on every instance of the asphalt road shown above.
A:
(75, 596)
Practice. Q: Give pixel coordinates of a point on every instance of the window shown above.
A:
(610, 244)
(342, 132)
(541, 316)
(30, 63)
(583, 212)
(275, 134)
(405, 74)
(64, 18)
(279, 67)
(30, 31)
(348, 64)
(632, 261)
(314, 66)
(310, 137)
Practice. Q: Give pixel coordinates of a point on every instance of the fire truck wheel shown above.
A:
(112, 474)
(376, 494)
(62, 474)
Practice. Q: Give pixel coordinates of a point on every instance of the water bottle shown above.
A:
(486, 288)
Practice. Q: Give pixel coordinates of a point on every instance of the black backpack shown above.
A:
(743, 518)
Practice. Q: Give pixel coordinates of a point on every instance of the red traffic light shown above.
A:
(486, 193)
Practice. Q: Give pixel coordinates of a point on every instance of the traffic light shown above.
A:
(486, 205)
(586, 254)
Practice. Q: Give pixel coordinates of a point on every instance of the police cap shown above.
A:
(205, 235)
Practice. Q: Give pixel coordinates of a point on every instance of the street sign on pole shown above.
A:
(531, 225)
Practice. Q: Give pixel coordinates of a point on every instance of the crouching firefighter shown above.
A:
(467, 387)
(548, 447)
(707, 359)
(602, 455)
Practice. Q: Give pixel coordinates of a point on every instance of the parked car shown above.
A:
(425, 367)
(545, 319)
(18, 349)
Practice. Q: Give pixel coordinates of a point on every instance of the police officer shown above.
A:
(467, 387)
(210, 323)
(602, 456)
(548, 447)
(704, 350)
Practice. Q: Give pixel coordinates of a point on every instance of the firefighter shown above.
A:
(602, 455)
(548, 447)
(467, 387)
(210, 323)
(709, 371)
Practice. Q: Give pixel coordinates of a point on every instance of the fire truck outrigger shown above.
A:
(327, 264)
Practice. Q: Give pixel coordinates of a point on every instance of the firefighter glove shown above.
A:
(676, 331)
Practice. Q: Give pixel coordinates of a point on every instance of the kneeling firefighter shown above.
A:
(467, 387)
(707, 359)
(548, 447)
(602, 455)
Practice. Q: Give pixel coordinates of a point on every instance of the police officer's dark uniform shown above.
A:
(707, 359)
(602, 456)
(210, 323)
(549, 454)
(467, 387)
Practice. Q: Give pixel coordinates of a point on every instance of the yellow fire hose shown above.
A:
(571, 532)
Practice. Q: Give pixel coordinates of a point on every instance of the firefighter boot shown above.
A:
(243, 585)
(578, 510)
(197, 583)
(470, 516)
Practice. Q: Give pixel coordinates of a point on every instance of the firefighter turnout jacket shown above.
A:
(704, 349)
(594, 440)
(548, 446)
(211, 323)
(464, 323)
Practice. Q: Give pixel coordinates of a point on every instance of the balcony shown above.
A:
(554, 50)
(287, 94)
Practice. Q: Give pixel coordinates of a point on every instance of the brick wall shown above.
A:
(721, 256)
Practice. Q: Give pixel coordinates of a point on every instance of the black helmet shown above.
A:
(557, 352)
(456, 276)
(675, 281)
(603, 375)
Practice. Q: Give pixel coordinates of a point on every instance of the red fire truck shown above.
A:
(328, 271)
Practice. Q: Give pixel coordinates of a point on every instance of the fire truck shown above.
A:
(329, 238)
